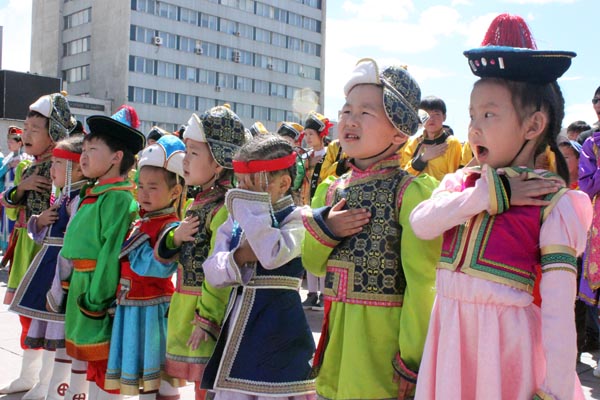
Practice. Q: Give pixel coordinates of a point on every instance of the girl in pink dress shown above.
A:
(509, 231)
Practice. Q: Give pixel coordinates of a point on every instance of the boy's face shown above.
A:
(572, 160)
(153, 191)
(364, 128)
(276, 186)
(97, 159)
(35, 137)
(435, 122)
(199, 166)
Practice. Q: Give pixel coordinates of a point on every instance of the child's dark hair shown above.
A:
(171, 178)
(528, 98)
(267, 147)
(432, 103)
(35, 114)
(74, 144)
(578, 126)
(568, 145)
(115, 145)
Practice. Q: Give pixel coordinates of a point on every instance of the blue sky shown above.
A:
(429, 37)
(426, 35)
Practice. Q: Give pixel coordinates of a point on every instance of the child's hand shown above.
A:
(344, 223)
(36, 183)
(47, 217)
(186, 230)
(526, 192)
(244, 254)
(198, 335)
(431, 151)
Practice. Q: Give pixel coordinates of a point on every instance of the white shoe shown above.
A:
(98, 394)
(78, 384)
(40, 389)
(59, 383)
(30, 369)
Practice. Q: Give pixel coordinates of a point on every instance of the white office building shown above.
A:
(171, 58)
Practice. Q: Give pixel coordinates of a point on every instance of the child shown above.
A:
(293, 134)
(266, 344)
(436, 152)
(502, 223)
(379, 278)
(47, 329)
(48, 121)
(137, 346)
(197, 308)
(570, 151)
(94, 238)
(316, 128)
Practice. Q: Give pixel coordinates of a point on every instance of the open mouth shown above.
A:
(481, 151)
(350, 136)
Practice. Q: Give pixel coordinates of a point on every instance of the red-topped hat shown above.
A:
(509, 52)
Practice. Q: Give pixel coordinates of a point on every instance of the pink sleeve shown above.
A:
(450, 205)
(563, 235)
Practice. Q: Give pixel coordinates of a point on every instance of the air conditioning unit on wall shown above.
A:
(217, 88)
(157, 41)
(199, 51)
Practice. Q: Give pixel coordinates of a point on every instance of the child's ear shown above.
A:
(176, 191)
(285, 183)
(535, 125)
(399, 138)
(117, 157)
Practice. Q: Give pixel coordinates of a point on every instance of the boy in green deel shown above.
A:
(379, 277)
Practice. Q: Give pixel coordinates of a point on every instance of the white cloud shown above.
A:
(15, 18)
(378, 10)
(581, 111)
(461, 3)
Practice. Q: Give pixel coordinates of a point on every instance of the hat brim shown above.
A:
(519, 64)
(133, 139)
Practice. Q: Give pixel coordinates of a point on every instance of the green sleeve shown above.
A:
(117, 210)
(419, 259)
(12, 212)
(318, 243)
(213, 302)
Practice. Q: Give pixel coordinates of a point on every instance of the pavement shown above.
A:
(11, 353)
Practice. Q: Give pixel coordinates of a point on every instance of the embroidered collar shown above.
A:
(106, 185)
(443, 135)
(157, 213)
(392, 161)
(43, 157)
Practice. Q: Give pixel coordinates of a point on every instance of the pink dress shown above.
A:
(486, 339)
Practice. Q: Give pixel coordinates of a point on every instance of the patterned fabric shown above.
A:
(36, 202)
(365, 268)
(224, 132)
(190, 274)
(401, 98)
(61, 120)
(467, 248)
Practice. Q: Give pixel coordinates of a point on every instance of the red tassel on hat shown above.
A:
(133, 117)
(509, 30)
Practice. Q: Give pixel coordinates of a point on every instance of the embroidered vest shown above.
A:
(190, 273)
(502, 248)
(135, 289)
(36, 202)
(366, 268)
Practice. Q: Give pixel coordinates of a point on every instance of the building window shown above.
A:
(187, 73)
(278, 39)
(186, 101)
(166, 70)
(261, 113)
(226, 80)
(168, 40)
(209, 21)
(77, 74)
(147, 6)
(277, 90)
(205, 104)
(261, 87)
(277, 115)
(294, 44)
(243, 110)
(207, 77)
(165, 99)
(243, 84)
(76, 46)
(167, 10)
(261, 35)
(188, 16)
(78, 18)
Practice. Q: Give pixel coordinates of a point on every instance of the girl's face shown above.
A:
(496, 133)
(313, 140)
(58, 172)
(153, 191)
(35, 136)
(199, 166)
(572, 160)
(99, 161)
(14, 145)
(364, 128)
(276, 186)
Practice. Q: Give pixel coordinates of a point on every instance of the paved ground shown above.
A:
(10, 352)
